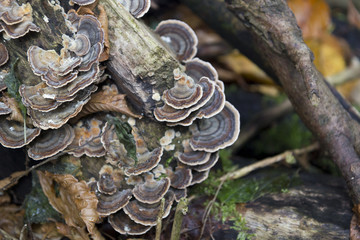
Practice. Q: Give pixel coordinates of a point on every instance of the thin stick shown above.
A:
(26, 172)
(159, 220)
(6, 235)
(181, 210)
(208, 209)
(268, 161)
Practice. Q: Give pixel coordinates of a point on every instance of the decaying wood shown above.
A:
(138, 62)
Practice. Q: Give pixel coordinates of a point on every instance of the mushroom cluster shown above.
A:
(130, 188)
(67, 81)
(15, 20)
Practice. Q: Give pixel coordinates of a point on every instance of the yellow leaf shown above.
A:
(329, 54)
(313, 17)
(241, 65)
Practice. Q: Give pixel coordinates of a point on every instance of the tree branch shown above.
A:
(278, 41)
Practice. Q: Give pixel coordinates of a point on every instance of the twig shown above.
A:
(350, 73)
(268, 161)
(26, 172)
(181, 210)
(159, 219)
(6, 235)
(208, 209)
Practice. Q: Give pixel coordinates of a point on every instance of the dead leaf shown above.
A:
(108, 99)
(74, 199)
(241, 65)
(72, 232)
(46, 231)
(329, 54)
(313, 17)
(12, 217)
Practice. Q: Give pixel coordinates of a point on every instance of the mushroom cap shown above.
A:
(184, 94)
(170, 114)
(4, 55)
(109, 204)
(106, 184)
(58, 117)
(12, 133)
(11, 13)
(42, 61)
(124, 225)
(216, 132)
(137, 8)
(197, 68)
(56, 81)
(214, 106)
(4, 109)
(32, 98)
(88, 133)
(90, 27)
(146, 162)
(179, 193)
(51, 142)
(91, 57)
(80, 46)
(199, 177)
(19, 29)
(83, 2)
(181, 178)
(180, 37)
(67, 92)
(208, 88)
(146, 214)
(209, 164)
(151, 191)
(115, 150)
(193, 158)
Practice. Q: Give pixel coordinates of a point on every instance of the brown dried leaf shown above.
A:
(313, 17)
(75, 201)
(72, 233)
(12, 217)
(108, 99)
(46, 231)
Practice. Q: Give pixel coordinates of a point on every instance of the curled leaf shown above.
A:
(72, 198)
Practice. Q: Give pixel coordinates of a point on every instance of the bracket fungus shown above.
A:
(15, 20)
(51, 142)
(179, 37)
(129, 160)
(137, 8)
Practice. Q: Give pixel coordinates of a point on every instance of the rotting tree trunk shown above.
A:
(266, 31)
